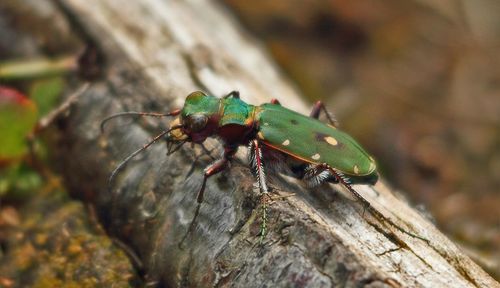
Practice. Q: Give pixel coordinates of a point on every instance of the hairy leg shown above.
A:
(316, 111)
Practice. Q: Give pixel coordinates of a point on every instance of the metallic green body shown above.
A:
(297, 135)
(199, 102)
(229, 110)
(235, 111)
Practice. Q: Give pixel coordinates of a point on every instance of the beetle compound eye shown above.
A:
(196, 122)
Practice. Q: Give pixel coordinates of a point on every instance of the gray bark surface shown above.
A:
(156, 53)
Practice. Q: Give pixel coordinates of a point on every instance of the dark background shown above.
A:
(417, 83)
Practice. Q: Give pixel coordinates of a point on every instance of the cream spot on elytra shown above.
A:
(372, 166)
(356, 169)
(286, 142)
(316, 156)
(261, 136)
(332, 141)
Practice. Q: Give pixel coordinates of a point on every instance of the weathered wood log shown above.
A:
(156, 53)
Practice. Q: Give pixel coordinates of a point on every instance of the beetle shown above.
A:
(316, 152)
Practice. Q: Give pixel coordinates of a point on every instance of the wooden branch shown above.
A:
(159, 51)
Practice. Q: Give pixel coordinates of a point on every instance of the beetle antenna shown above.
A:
(122, 164)
(134, 113)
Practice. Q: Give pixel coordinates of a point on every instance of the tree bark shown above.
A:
(156, 52)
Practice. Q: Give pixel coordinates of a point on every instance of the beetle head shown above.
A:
(198, 120)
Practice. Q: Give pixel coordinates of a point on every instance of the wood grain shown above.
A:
(156, 53)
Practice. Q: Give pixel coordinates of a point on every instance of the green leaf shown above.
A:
(35, 68)
(18, 181)
(45, 93)
(18, 116)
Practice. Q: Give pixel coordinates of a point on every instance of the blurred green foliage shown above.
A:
(18, 181)
(45, 93)
(19, 114)
(18, 117)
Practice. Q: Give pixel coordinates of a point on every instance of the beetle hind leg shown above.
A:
(316, 111)
(275, 101)
(345, 181)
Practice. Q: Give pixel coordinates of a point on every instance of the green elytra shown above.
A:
(313, 141)
(294, 134)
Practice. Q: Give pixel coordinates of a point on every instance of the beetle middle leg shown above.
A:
(315, 175)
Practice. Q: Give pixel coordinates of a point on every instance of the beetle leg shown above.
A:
(208, 152)
(366, 204)
(234, 94)
(275, 101)
(316, 111)
(316, 175)
(196, 157)
(215, 168)
(211, 170)
(258, 167)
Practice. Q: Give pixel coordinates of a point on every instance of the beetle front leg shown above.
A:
(208, 152)
(316, 111)
(258, 167)
(215, 168)
(210, 170)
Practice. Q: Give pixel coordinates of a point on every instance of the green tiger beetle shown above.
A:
(319, 152)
